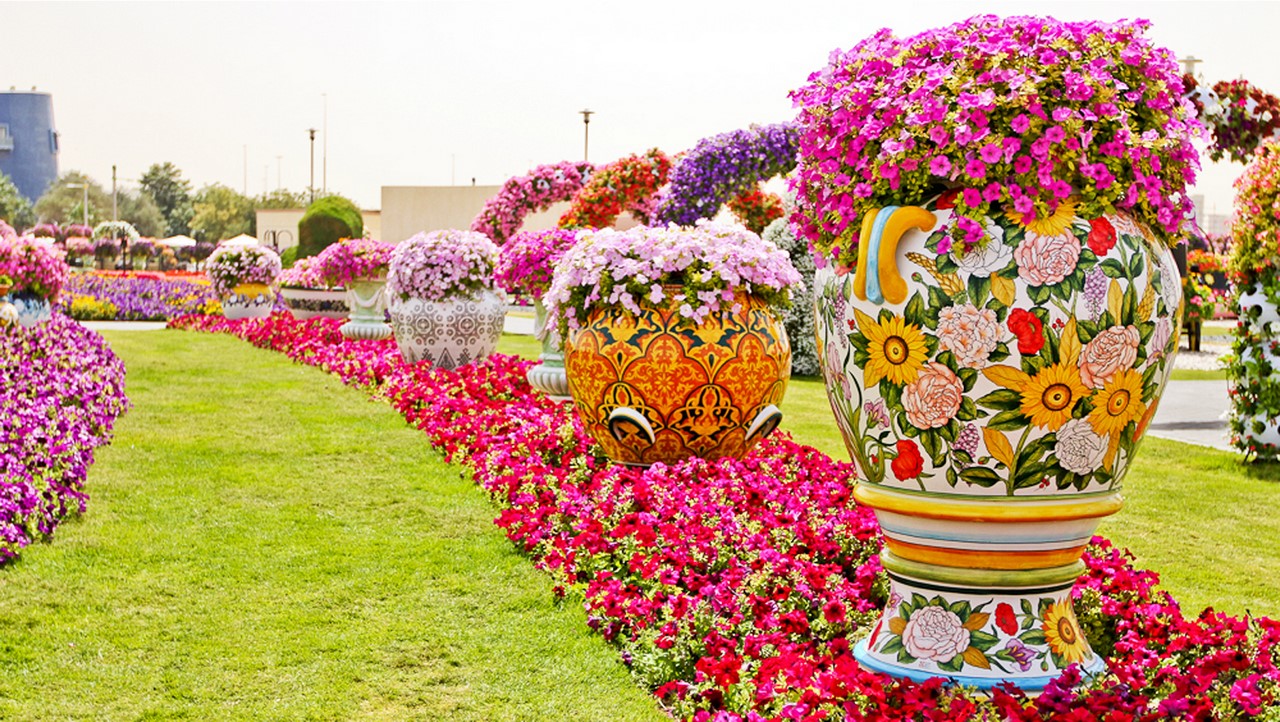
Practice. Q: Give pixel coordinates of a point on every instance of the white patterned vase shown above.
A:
(32, 310)
(367, 299)
(548, 375)
(993, 402)
(449, 333)
(306, 303)
(249, 300)
(1258, 329)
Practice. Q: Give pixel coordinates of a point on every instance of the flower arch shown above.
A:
(627, 184)
(725, 166)
(535, 191)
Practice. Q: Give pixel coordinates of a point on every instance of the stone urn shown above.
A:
(450, 333)
(993, 402)
(367, 301)
(249, 300)
(306, 303)
(548, 375)
(657, 387)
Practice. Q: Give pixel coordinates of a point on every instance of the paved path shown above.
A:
(1194, 412)
(123, 325)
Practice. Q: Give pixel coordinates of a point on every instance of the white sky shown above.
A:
(414, 88)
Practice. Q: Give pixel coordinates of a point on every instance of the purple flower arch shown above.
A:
(535, 191)
(726, 165)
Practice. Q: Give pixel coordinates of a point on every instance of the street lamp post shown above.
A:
(586, 123)
(312, 186)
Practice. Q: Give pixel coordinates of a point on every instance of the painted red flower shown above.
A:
(948, 200)
(1102, 236)
(1029, 329)
(1005, 619)
(908, 464)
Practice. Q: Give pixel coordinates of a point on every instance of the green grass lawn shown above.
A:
(263, 543)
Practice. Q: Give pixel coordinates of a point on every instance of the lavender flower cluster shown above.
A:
(61, 389)
(723, 166)
(433, 266)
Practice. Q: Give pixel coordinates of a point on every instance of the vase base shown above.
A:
(365, 331)
(1032, 685)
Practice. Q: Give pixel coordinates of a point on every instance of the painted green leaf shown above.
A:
(1026, 607)
(1035, 636)
(1007, 421)
(1004, 399)
(1135, 265)
(955, 664)
(914, 311)
(983, 640)
(981, 476)
(968, 410)
(979, 287)
(1113, 268)
(1039, 294)
(933, 446)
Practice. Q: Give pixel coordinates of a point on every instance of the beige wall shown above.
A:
(406, 210)
(281, 225)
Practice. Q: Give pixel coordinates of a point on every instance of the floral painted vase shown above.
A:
(993, 403)
(367, 300)
(8, 314)
(32, 310)
(249, 300)
(450, 333)
(1255, 412)
(655, 387)
(548, 375)
(306, 303)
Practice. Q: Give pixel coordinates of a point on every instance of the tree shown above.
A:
(14, 207)
(221, 213)
(140, 210)
(63, 204)
(164, 183)
(281, 198)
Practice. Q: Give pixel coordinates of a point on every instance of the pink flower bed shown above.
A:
(735, 589)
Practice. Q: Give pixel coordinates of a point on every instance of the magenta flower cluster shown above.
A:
(352, 259)
(442, 264)
(302, 274)
(34, 265)
(61, 389)
(535, 191)
(1021, 113)
(724, 166)
(230, 266)
(735, 589)
(527, 261)
(699, 269)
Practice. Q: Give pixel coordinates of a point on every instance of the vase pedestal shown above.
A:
(367, 301)
(548, 376)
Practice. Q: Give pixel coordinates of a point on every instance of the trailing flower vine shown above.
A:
(724, 166)
(535, 191)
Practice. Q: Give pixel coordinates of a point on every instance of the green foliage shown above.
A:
(799, 318)
(164, 183)
(288, 256)
(63, 204)
(327, 221)
(140, 210)
(14, 207)
(280, 198)
(221, 213)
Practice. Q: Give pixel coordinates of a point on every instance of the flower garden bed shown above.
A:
(136, 297)
(61, 389)
(734, 589)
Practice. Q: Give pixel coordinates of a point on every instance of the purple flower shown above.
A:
(1021, 653)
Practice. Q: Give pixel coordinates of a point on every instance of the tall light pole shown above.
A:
(312, 186)
(586, 124)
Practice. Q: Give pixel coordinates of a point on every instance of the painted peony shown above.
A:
(1113, 350)
(934, 398)
(935, 633)
(988, 259)
(1079, 449)
(1046, 260)
(968, 332)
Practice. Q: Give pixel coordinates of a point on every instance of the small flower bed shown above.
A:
(352, 259)
(230, 266)
(734, 590)
(709, 263)
(33, 265)
(627, 184)
(61, 390)
(103, 297)
(535, 191)
(440, 264)
(527, 261)
(1023, 113)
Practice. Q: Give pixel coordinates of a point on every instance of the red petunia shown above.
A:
(1005, 619)
(1102, 236)
(908, 464)
(1029, 329)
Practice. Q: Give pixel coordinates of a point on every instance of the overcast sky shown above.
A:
(441, 92)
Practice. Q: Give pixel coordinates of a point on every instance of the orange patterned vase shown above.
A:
(656, 387)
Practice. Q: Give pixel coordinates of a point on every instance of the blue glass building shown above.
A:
(28, 141)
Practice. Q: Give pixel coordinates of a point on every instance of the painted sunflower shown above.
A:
(896, 348)
(1117, 403)
(1056, 224)
(1062, 632)
(1049, 396)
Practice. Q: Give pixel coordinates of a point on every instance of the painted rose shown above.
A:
(1029, 329)
(1079, 449)
(935, 633)
(1102, 236)
(934, 398)
(1113, 350)
(968, 332)
(1046, 260)
(1170, 283)
(908, 464)
(989, 259)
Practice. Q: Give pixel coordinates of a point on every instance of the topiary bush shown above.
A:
(327, 221)
(799, 318)
(288, 256)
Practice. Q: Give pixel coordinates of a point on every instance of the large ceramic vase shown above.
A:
(249, 300)
(449, 333)
(657, 387)
(32, 310)
(548, 375)
(1252, 429)
(306, 303)
(367, 299)
(993, 403)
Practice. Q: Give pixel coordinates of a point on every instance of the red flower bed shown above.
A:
(735, 589)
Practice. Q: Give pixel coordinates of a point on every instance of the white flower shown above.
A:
(1079, 448)
(935, 633)
(986, 261)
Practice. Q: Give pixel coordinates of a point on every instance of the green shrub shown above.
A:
(327, 221)
(288, 256)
